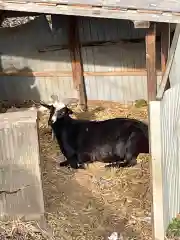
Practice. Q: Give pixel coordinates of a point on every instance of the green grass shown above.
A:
(174, 228)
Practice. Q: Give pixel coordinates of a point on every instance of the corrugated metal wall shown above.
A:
(122, 89)
(19, 48)
(171, 152)
(19, 53)
(97, 29)
(165, 152)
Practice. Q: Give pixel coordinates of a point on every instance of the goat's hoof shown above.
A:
(64, 164)
(110, 165)
(81, 166)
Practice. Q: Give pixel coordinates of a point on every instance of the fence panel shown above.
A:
(20, 179)
(165, 152)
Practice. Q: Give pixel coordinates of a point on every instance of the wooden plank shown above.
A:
(163, 5)
(156, 170)
(129, 72)
(77, 65)
(164, 81)
(165, 46)
(121, 42)
(20, 180)
(151, 62)
(12, 14)
(92, 12)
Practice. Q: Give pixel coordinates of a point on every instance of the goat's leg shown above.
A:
(131, 151)
(115, 163)
(64, 163)
(73, 162)
(81, 161)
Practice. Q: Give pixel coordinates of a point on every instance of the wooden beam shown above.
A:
(130, 72)
(77, 65)
(89, 11)
(165, 45)
(12, 14)
(172, 51)
(122, 43)
(156, 170)
(151, 62)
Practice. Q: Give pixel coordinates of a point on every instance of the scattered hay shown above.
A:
(93, 203)
(18, 230)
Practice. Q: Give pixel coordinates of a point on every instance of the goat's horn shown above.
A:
(54, 98)
(67, 101)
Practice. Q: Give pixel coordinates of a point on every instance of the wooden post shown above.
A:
(165, 45)
(151, 62)
(77, 65)
(155, 139)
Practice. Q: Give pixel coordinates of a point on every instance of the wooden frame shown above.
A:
(77, 65)
(89, 11)
(151, 62)
(156, 169)
(137, 72)
(163, 85)
(165, 44)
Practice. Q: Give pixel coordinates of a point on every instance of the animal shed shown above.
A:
(112, 51)
(151, 63)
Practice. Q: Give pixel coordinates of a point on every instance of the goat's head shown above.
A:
(58, 109)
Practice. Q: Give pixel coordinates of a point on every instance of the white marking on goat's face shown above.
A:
(58, 106)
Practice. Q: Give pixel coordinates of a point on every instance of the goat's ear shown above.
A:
(68, 111)
(45, 105)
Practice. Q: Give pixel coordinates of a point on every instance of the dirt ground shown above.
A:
(91, 204)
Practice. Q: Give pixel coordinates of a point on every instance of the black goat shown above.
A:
(116, 141)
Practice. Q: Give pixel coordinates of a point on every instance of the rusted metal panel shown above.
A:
(151, 62)
(20, 182)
